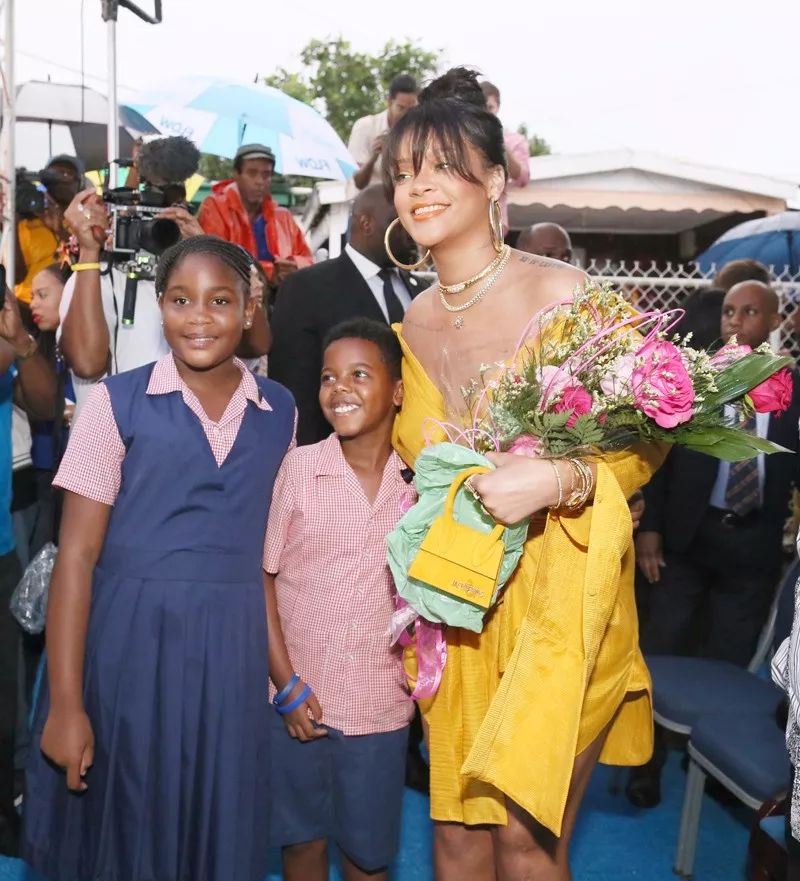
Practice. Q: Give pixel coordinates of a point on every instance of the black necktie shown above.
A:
(393, 305)
(742, 493)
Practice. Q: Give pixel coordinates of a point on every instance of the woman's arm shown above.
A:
(67, 738)
(520, 486)
(298, 722)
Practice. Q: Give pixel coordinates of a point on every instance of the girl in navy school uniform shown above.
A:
(156, 631)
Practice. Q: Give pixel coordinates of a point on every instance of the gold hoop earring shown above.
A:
(496, 225)
(409, 267)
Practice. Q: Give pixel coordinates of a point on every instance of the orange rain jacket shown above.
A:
(222, 214)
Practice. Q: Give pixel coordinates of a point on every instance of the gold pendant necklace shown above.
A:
(458, 321)
(461, 286)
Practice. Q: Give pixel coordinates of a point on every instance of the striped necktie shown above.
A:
(742, 494)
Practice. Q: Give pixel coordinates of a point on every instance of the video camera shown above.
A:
(136, 224)
(139, 235)
(31, 191)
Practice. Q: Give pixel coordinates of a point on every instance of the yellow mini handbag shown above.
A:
(457, 559)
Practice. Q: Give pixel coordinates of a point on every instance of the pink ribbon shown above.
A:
(430, 643)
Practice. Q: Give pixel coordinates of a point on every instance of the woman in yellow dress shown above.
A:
(555, 680)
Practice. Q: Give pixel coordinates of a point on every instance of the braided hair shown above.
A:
(233, 256)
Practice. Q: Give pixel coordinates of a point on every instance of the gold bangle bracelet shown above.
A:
(82, 267)
(583, 484)
(560, 501)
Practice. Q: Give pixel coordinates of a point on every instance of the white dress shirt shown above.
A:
(362, 137)
(721, 486)
(369, 272)
(131, 347)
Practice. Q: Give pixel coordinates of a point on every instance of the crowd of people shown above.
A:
(210, 692)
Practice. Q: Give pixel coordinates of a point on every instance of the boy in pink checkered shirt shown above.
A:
(340, 732)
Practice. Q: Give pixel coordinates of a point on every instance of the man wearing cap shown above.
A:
(242, 211)
(39, 236)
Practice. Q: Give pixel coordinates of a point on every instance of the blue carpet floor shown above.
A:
(613, 840)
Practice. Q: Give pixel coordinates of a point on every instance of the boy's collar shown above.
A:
(332, 463)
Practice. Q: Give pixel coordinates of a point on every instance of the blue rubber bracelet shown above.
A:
(304, 694)
(287, 689)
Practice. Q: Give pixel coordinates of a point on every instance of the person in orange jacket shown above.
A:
(242, 211)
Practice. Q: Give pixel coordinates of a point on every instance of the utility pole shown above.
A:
(9, 244)
(110, 13)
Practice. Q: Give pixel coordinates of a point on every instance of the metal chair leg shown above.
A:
(690, 821)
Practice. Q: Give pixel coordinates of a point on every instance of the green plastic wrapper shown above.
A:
(436, 468)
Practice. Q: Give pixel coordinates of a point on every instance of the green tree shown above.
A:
(537, 145)
(215, 167)
(344, 84)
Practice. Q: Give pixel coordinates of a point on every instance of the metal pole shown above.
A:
(9, 125)
(113, 107)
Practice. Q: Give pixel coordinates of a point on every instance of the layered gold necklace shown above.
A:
(461, 286)
(499, 264)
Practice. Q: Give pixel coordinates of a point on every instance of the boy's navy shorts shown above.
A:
(348, 789)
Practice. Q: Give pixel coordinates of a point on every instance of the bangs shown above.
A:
(440, 127)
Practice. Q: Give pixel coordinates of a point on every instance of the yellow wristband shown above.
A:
(80, 267)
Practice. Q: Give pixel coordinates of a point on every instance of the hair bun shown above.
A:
(459, 83)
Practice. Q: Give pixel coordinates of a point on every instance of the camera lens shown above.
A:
(158, 235)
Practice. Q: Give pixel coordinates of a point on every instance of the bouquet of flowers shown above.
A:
(590, 375)
(602, 377)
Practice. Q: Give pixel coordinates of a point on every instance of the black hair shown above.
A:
(736, 271)
(374, 332)
(404, 83)
(170, 160)
(451, 113)
(702, 313)
(233, 256)
(62, 271)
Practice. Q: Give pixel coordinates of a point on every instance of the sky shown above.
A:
(700, 80)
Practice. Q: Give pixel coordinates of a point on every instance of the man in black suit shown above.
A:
(710, 542)
(361, 282)
(693, 547)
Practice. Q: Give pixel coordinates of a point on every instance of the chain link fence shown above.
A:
(667, 286)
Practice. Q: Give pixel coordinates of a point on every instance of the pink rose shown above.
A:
(774, 394)
(618, 379)
(575, 400)
(729, 354)
(553, 380)
(526, 445)
(662, 388)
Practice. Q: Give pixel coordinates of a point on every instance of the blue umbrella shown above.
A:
(774, 240)
(219, 116)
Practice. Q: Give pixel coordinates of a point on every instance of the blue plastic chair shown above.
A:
(730, 716)
(685, 689)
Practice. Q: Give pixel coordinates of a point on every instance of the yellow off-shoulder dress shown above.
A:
(558, 659)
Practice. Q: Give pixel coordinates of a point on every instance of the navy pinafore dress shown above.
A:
(175, 677)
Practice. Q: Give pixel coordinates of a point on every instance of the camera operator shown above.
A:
(39, 216)
(94, 340)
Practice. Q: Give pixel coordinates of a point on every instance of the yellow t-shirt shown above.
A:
(39, 246)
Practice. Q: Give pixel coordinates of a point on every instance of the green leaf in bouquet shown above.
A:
(586, 432)
(724, 442)
(737, 379)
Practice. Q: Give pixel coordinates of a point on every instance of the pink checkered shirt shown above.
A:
(327, 547)
(92, 463)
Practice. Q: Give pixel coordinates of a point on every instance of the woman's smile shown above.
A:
(426, 212)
